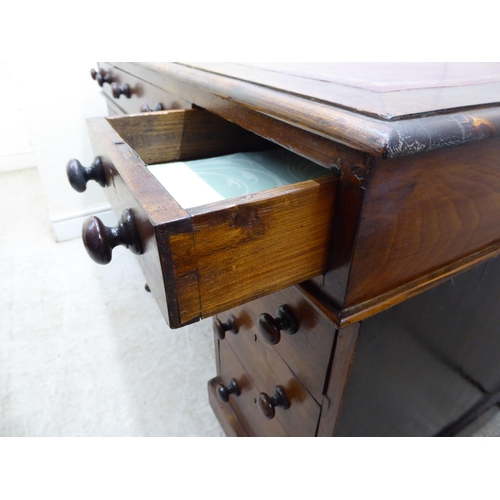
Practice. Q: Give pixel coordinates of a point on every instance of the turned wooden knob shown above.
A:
(221, 328)
(270, 327)
(117, 91)
(146, 109)
(78, 175)
(224, 392)
(101, 77)
(267, 404)
(99, 240)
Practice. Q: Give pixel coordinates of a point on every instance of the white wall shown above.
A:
(52, 103)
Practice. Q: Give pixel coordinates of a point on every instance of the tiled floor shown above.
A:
(84, 350)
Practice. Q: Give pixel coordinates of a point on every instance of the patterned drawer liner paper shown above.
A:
(199, 182)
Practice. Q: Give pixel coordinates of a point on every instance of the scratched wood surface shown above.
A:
(441, 123)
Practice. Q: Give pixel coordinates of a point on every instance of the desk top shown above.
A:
(386, 109)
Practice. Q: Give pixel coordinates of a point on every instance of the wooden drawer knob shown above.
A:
(221, 328)
(78, 175)
(146, 109)
(270, 327)
(101, 77)
(267, 404)
(99, 240)
(117, 91)
(224, 392)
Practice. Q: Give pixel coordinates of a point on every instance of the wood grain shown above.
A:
(423, 213)
(307, 352)
(262, 243)
(267, 369)
(244, 406)
(223, 254)
(415, 133)
(343, 354)
(182, 135)
(142, 92)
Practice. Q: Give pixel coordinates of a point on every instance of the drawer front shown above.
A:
(306, 352)
(143, 95)
(299, 419)
(202, 261)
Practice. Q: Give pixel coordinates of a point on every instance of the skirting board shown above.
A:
(16, 160)
(70, 227)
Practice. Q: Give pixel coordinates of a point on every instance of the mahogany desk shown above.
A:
(387, 271)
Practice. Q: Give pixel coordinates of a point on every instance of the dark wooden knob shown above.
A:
(117, 91)
(267, 404)
(224, 392)
(221, 328)
(146, 109)
(99, 240)
(101, 77)
(78, 175)
(270, 327)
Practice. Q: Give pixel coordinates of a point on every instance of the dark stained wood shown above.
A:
(220, 255)
(414, 134)
(244, 407)
(142, 92)
(417, 204)
(314, 147)
(99, 240)
(387, 90)
(224, 413)
(78, 175)
(424, 364)
(267, 370)
(424, 213)
(344, 349)
(306, 353)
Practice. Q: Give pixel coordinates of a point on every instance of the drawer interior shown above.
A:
(198, 182)
(206, 256)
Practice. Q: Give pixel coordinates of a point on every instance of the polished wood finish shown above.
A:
(307, 353)
(143, 93)
(221, 328)
(78, 175)
(264, 370)
(270, 328)
(202, 251)
(268, 404)
(223, 392)
(99, 240)
(414, 210)
(244, 407)
(228, 419)
(380, 136)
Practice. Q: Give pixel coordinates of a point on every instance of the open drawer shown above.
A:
(202, 260)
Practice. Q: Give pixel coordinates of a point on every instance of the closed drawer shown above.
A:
(306, 352)
(142, 94)
(203, 260)
(300, 418)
